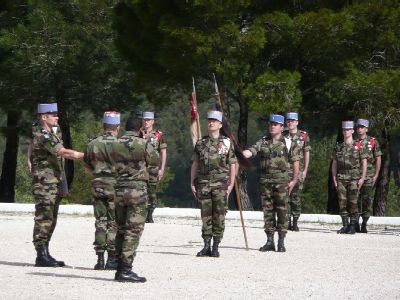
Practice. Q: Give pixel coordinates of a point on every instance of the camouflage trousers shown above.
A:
(274, 201)
(47, 202)
(294, 207)
(366, 198)
(213, 206)
(103, 194)
(347, 192)
(152, 186)
(130, 214)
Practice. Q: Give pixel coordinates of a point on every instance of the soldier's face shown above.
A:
(347, 132)
(275, 128)
(50, 119)
(148, 123)
(214, 125)
(361, 130)
(292, 124)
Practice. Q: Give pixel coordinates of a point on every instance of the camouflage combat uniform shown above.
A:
(302, 140)
(276, 158)
(97, 158)
(48, 174)
(156, 139)
(130, 154)
(348, 159)
(373, 149)
(214, 157)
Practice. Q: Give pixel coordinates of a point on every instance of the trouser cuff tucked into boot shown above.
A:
(206, 251)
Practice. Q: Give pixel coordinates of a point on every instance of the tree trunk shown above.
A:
(9, 168)
(333, 203)
(382, 187)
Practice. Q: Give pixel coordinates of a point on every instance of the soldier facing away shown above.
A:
(98, 162)
(277, 153)
(302, 140)
(157, 168)
(349, 167)
(373, 149)
(47, 164)
(212, 178)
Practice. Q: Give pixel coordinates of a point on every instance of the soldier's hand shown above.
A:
(360, 182)
(193, 188)
(374, 179)
(303, 175)
(160, 174)
(229, 190)
(291, 186)
(29, 166)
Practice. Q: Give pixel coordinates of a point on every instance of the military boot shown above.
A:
(345, 228)
(295, 227)
(100, 261)
(112, 261)
(357, 225)
(125, 274)
(206, 251)
(60, 263)
(43, 259)
(214, 251)
(270, 244)
(149, 218)
(364, 225)
(281, 242)
(290, 223)
(352, 227)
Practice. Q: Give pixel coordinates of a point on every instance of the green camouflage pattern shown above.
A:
(348, 159)
(366, 198)
(214, 156)
(276, 157)
(294, 207)
(347, 192)
(47, 170)
(373, 149)
(157, 141)
(98, 158)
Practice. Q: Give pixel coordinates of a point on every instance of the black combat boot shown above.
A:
(357, 225)
(345, 228)
(364, 225)
(214, 251)
(290, 227)
(43, 259)
(206, 251)
(125, 274)
(270, 244)
(100, 261)
(149, 218)
(59, 262)
(352, 227)
(295, 227)
(281, 242)
(112, 261)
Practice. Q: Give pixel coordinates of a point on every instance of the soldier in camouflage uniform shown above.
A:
(156, 169)
(47, 172)
(349, 167)
(372, 147)
(98, 162)
(212, 178)
(131, 154)
(277, 154)
(302, 140)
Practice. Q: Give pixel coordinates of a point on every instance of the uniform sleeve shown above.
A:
(307, 144)
(294, 153)
(196, 152)
(151, 154)
(50, 143)
(163, 143)
(87, 158)
(377, 149)
(256, 147)
(232, 156)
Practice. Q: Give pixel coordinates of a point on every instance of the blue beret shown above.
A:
(347, 125)
(277, 119)
(111, 118)
(215, 115)
(47, 108)
(148, 115)
(292, 116)
(363, 122)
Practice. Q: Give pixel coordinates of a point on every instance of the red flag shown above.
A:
(195, 130)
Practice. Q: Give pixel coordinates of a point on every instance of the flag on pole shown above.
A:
(195, 130)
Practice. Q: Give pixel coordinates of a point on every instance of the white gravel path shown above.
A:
(318, 264)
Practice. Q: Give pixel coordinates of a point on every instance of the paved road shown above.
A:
(318, 264)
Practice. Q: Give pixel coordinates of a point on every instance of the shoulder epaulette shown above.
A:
(158, 134)
(303, 134)
(372, 142)
(357, 145)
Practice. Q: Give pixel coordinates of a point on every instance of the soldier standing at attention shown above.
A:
(373, 149)
(47, 169)
(277, 154)
(98, 162)
(302, 140)
(212, 177)
(349, 167)
(130, 154)
(156, 169)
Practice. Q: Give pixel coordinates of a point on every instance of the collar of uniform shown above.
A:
(108, 133)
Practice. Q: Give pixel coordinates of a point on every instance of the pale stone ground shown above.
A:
(318, 264)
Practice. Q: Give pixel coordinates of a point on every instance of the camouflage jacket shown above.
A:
(373, 149)
(214, 157)
(97, 157)
(131, 155)
(348, 159)
(276, 156)
(157, 140)
(47, 166)
(302, 141)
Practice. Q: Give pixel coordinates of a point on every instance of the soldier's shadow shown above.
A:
(69, 276)
(22, 264)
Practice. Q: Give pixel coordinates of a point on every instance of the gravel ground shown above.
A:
(318, 264)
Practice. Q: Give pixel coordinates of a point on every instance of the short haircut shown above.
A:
(110, 127)
(133, 123)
